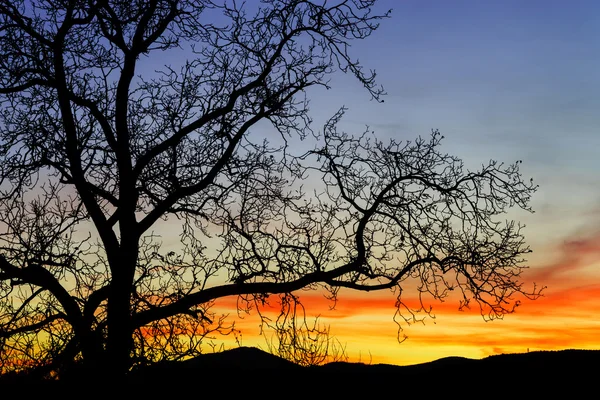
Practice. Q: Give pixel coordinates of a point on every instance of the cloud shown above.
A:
(574, 257)
(513, 333)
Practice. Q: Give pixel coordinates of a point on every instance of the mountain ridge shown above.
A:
(252, 358)
(245, 366)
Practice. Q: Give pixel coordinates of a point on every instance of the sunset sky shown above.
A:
(501, 80)
(507, 80)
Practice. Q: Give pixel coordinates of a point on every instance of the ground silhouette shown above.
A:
(251, 371)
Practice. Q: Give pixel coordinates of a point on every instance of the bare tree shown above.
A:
(99, 145)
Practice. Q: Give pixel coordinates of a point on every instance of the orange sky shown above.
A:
(566, 317)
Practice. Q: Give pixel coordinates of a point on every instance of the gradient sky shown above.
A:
(506, 80)
(503, 80)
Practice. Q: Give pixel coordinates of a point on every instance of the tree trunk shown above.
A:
(120, 342)
(120, 333)
(92, 350)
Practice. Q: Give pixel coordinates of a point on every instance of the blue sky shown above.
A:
(500, 79)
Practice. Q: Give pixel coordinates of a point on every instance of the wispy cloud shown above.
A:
(571, 264)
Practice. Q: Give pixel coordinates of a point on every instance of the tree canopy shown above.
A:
(116, 116)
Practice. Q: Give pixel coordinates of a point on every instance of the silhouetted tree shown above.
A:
(101, 142)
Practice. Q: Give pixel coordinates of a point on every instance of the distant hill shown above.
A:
(549, 361)
(244, 358)
(248, 370)
(255, 361)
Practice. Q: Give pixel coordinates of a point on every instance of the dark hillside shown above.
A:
(248, 370)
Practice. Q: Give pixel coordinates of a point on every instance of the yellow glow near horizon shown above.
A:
(363, 323)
